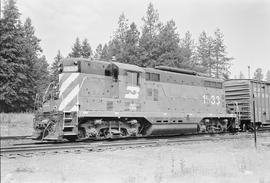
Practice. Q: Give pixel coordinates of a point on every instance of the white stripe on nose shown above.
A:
(69, 97)
(67, 82)
(74, 108)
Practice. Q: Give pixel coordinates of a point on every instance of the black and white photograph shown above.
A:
(135, 91)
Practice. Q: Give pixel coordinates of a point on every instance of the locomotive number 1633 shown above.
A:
(211, 99)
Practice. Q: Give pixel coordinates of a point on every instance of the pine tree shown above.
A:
(151, 21)
(148, 43)
(8, 32)
(13, 93)
(20, 70)
(117, 46)
(258, 75)
(76, 49)
(168, 48)
(105, 53)
(221, 60)
(187, 46)
(32, 41)
(113, 48)
(205, 53)
(126, 49)
(267, 77)
(34, 72)
(121, 31)
(54, 73)
(98, 52)
(131, 44)
(41, 73)
(86, 49)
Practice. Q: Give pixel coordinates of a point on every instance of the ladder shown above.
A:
(69, 123)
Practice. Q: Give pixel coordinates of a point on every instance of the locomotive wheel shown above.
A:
(81, 133)
(124, 133)
(107, 135)
(222, 126)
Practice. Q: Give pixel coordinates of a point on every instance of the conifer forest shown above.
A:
(25, 72)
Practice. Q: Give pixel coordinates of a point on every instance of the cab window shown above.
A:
(152, 76)
(112, 70)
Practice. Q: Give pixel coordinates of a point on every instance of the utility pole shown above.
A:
(248, 72)
(254, 122)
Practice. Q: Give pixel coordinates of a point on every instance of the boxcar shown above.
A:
(250, 99)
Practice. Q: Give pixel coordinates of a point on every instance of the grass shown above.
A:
(226, 161)
(16, 124)
(237, 161)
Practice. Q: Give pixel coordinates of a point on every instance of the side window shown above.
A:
(155, 77)
(147, 76)
(132, 78)
(152, 76)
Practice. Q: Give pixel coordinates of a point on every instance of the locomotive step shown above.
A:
(69, 133)
(69, 126)
(67, 119)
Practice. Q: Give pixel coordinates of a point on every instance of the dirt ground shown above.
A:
(11, 142)
(227, 161)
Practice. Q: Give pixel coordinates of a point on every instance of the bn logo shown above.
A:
(132, 92)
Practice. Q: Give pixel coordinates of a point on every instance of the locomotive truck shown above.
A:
(100, 99)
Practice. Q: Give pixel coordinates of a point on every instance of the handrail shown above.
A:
(237, 111)
(47, 90)
(78, 98)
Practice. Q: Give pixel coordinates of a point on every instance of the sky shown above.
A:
(244, 23)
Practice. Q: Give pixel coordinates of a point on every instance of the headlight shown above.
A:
(70, 68)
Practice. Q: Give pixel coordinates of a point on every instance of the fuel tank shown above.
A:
(171, 129)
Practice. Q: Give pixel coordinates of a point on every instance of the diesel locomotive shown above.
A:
(100, 99)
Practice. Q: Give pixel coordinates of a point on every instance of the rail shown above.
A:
(32, 149)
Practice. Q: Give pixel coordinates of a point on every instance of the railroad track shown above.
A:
(28, 136)
(44, 148)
